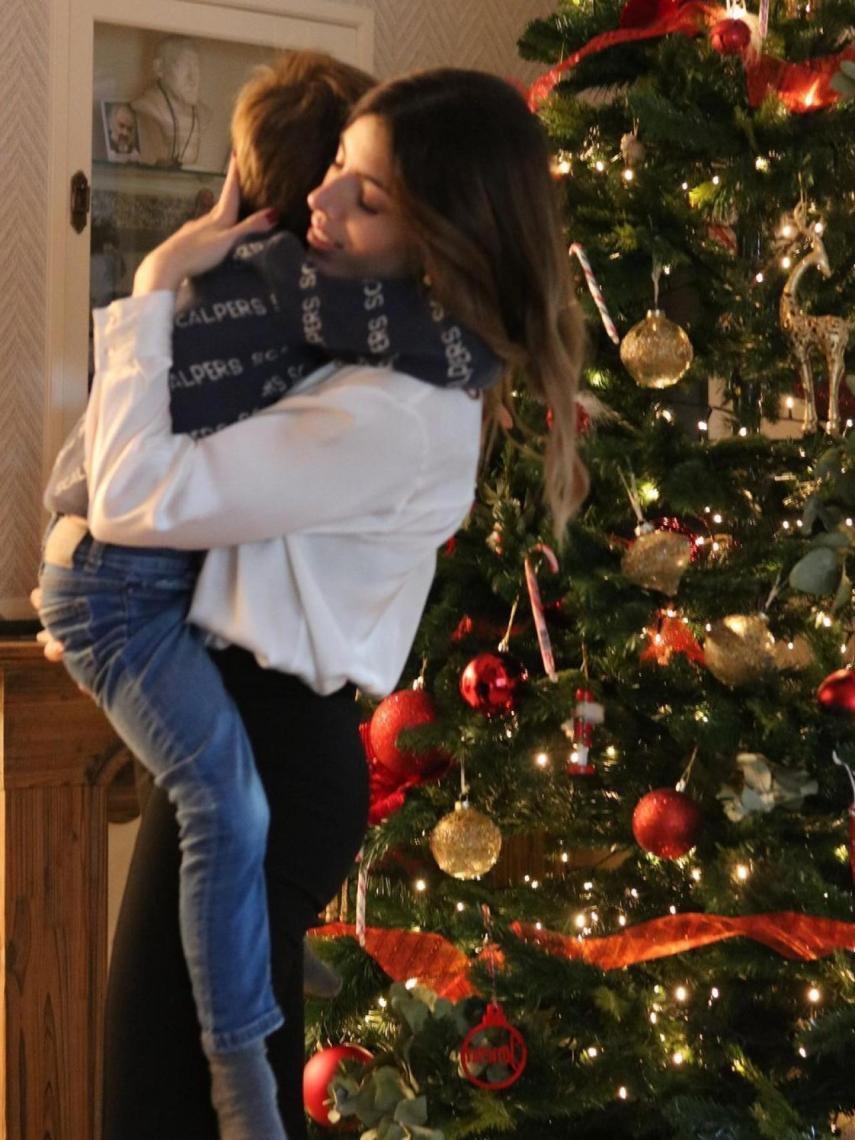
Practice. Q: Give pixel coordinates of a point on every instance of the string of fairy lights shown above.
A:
(668, 1010)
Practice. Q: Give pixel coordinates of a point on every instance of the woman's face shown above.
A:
(356, 229)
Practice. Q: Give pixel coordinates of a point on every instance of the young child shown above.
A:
(247, 332)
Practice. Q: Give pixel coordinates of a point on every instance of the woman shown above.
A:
(343, 494)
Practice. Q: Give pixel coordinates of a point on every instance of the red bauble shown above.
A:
(837, 692)
(319, 1071)
(491, 683)
(408, 708)
(730, 37)
(666, 823)
(583, 419)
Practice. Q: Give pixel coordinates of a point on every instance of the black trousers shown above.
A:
(311, 761)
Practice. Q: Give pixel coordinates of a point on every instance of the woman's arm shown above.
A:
(326, 459)
(347, 448)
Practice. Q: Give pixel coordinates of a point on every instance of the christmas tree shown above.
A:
(609, 886)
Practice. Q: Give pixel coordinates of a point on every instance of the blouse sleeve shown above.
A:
(324, 460)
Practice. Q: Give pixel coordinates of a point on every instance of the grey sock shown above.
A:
(319, 979)
(243, 1091)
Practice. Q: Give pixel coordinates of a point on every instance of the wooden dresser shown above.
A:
(58, 755)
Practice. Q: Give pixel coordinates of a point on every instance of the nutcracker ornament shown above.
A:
(580, 732)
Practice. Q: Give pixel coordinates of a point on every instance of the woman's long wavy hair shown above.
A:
(472, 180)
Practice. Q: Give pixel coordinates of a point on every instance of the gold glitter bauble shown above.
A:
(657, 560)
(795, 654)
(739, 649)
(465, 843)
(656, 352)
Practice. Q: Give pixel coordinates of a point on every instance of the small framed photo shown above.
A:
(121, 131)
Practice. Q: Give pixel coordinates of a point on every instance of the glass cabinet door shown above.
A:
(160, 140)
(141, 100)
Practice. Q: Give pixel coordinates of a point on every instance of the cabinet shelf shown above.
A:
(138, 178)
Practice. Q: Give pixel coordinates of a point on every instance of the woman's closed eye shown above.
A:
(366, 205)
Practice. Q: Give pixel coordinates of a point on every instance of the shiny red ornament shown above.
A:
(837, 692)
(493, 1044)
(491, 683)
(666, 823)
(730, 37)
(583, 419)
(408, 708)
(317, 1074)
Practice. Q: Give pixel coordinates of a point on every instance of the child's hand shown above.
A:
(51, 648)
(203, 243)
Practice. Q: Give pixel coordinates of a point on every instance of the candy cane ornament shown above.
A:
(595, 291)
(543, 639)
(361, 897)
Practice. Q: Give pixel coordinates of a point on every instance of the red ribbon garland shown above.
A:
(801, 87)
(403, 954)
(688, 21)
(445, 969)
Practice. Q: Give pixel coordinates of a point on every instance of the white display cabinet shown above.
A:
(126, 171)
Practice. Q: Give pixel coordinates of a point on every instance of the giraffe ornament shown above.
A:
(826, 336)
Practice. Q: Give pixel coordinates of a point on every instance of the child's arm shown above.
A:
(392, 321)
(389, 322)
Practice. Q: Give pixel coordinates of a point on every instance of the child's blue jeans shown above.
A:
(121, 613)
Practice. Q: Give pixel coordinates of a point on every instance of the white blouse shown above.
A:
(321, 514)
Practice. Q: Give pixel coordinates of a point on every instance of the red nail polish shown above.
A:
(272, 216)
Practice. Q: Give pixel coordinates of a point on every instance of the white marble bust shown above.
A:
(170, 118)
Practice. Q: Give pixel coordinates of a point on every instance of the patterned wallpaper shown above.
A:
(456, 33)
(408, 34)
(24, 30)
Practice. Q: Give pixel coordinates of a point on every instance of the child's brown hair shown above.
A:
(285, 129)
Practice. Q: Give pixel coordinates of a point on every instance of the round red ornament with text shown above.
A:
(493, 1054)
(667, 823)
(317, 1074)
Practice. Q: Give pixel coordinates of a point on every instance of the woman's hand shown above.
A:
(203, 243)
